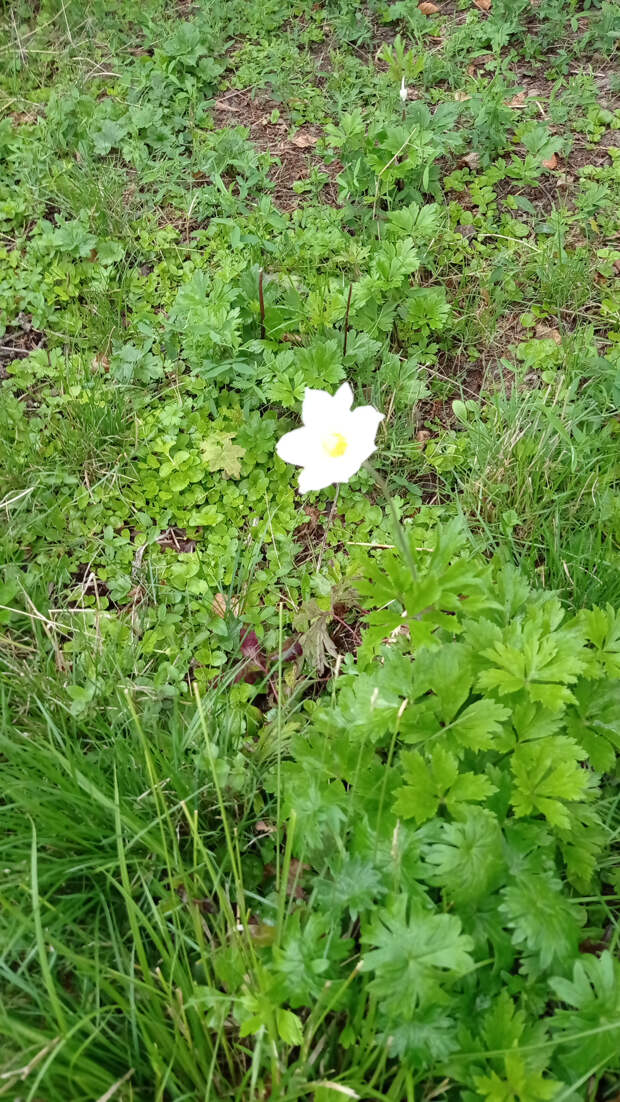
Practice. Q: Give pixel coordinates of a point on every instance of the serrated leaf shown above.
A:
(447, 672)
(478, 726)
(469, 788)
(429, 1036)
(547, 773)
(306, 957)
(602, 628)
(592, 1025)
(355, 883)
(417, 799)
(518, 1083)
(503, 1024)
(544, 921)
(414, 951)
(540, 662)
(467, 860)
(435, 781)
(594, 722)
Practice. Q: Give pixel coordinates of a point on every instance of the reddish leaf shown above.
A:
(251, 648)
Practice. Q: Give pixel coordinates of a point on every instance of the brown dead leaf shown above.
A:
(551, 162)
(483, 5)
(427, 8)
(545, 332)
(265, 828)
(516, 101)
(296, 870)
(461, 97)
(565, 179)
(422, 436)
(617, 265)
(313, 514)
(470, 160)
(221, 604)
(304, 141)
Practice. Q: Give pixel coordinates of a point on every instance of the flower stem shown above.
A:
(261, 301)
(328, 524)
(346, 322)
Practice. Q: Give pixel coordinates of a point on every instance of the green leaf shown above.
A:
(467, 858)
(220, 454)
(306, 958)
(394, 261)
(503, 1024)
(547, 774)
(592, 1025)
(479, 725)
(447, 671)
(414, 951)
(108, 135)
(355, 883)
(540, 662)
(8, 591)
(518, 1083)
(81, 696)
(418, 799)
(602, 627)
(427, 1036)
(426, 309)
(289, 1026)
(205, 517)
(436, 781)
(415, 221)
(543, 919)
(318, 805)
(594, 722)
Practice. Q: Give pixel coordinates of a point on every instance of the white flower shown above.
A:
(404, 91)
(334, 441)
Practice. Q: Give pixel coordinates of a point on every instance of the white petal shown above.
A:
(344, 396)
(317, 477)
(361, 428)
(363, 423)
(318, 407)
(350, 463)
(301, 446)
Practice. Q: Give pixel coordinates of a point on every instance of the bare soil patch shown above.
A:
(19, 341)
(296, 153)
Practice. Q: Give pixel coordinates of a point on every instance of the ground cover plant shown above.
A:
(309, 795)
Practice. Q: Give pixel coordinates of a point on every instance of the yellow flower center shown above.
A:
(335, 444)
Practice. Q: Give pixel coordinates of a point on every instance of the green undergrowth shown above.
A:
(287, 814)
(410, 877)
